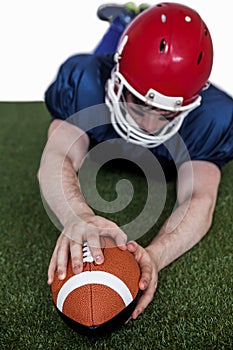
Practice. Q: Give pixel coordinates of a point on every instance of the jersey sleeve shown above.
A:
(208, 130)
(79, 84)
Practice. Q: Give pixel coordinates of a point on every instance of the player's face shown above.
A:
(149, 119)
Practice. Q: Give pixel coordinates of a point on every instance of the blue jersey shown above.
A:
(207, 131)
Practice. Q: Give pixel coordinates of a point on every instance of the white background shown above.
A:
(36, 36)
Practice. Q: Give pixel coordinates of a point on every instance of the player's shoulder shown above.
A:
(208, 130)
(79, 84)
(216, 108)
(214, 117)
(215, 97)
(88, 73)
(86, 60)
(212, 89)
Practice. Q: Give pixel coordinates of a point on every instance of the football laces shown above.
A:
(87, 257)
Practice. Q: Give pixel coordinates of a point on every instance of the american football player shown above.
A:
(150, 75)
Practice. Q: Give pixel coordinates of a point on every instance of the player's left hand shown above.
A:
(149, 276)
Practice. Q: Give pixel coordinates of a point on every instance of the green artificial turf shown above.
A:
(192, 308)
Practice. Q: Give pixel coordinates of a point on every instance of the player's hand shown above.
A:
(89, 228)
(149, 276)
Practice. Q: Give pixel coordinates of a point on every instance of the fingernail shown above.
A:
(98, 259)
(128, 320)
(60, 275)
(76, 267)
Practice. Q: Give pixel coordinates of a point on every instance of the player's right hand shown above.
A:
(89, 228)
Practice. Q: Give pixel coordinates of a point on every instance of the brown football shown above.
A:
(102, 297)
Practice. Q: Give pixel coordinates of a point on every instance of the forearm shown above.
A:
(186, 227)
(60, 188)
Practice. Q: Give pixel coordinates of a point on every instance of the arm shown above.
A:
(62, 156)
(186, 226)
(193, 215)
(64, 152)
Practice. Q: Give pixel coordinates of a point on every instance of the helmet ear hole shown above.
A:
(200, 57)
(162, 46)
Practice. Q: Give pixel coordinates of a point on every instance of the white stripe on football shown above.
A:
(94, 277)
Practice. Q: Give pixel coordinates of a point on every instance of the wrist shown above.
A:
(156, 255)
(78, 215)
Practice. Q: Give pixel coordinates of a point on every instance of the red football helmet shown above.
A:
(164, 58)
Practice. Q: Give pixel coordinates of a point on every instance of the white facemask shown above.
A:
(126, 126)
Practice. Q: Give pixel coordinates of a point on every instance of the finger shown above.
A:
(93, 241)
(62, 258)
(143, 302)
(138, 252)
(76, 257)
(53, 262)
(126, 322)
(144, 263)
(121, 239)
(119, 236)
(52, 268)
(146, 272)
(132, 246)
